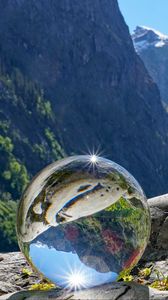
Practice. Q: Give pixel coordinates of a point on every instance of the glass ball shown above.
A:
(83, 221)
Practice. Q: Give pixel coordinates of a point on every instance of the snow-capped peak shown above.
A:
(144, 37)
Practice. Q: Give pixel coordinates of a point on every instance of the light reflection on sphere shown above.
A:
(83, 221)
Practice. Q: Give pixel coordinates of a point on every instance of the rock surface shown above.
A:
(158, 244)
(14, 280)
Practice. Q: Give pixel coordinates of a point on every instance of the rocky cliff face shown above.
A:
(82, 56)
(152, 46)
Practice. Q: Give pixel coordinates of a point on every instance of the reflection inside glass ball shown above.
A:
(83, 221)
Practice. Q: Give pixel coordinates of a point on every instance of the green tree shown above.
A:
(57, 151)
(6, 144)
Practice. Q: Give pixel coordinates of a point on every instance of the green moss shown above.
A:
(42, 286)
(143, 278)
(145, 272)
(161, 285)
(26, 272)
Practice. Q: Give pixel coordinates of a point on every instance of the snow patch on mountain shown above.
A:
(160, 44)
(144, 37)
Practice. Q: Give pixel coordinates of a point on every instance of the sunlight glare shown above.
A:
(93, 158)
(76, 280)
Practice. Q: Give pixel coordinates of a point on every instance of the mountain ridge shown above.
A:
(152, 46)
(144, 37)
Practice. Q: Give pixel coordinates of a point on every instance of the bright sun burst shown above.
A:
(93, 158)
(76, 280)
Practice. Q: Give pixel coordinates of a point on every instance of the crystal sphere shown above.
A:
(83, 221)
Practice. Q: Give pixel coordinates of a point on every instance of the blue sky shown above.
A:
(59, 266)
(151, 13)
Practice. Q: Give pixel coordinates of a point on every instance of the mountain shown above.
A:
(152, 46)
(145, 37)
(70, 80)
(27, 142)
